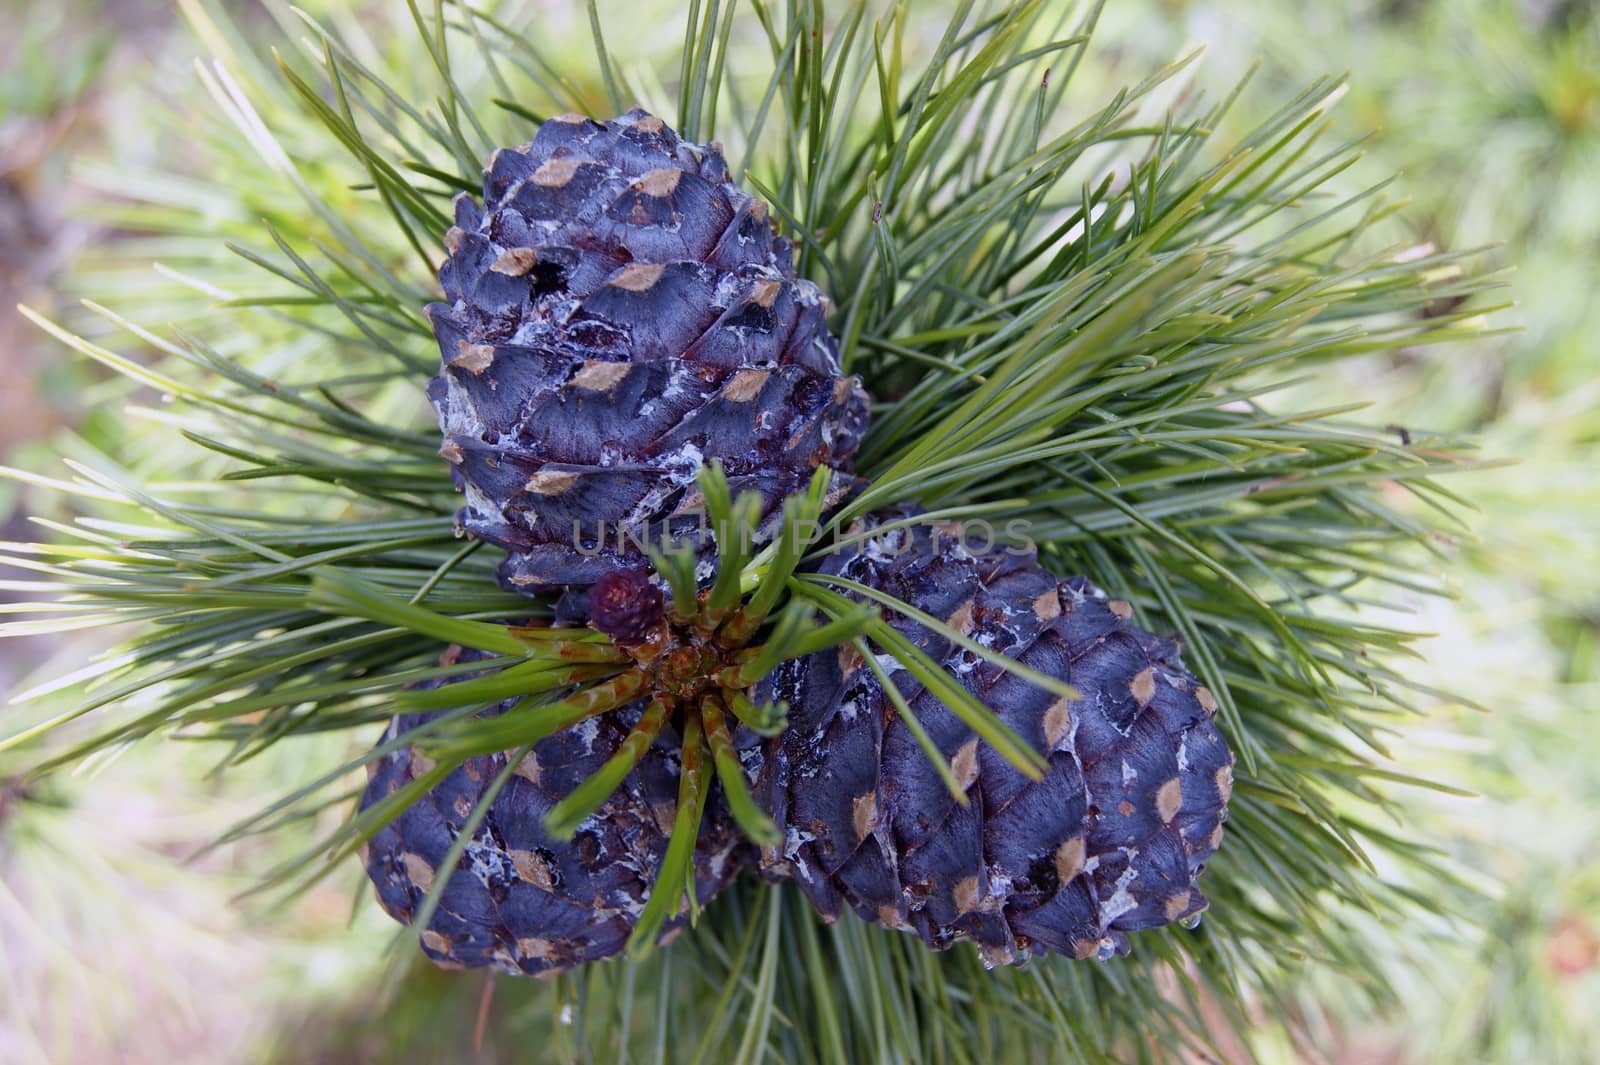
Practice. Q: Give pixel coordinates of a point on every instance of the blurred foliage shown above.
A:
(46, 115)
(38, 81)
(1492, 107)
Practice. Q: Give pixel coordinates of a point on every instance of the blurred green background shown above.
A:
(111, 950)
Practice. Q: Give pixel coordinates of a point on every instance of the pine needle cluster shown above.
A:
(1079, 313)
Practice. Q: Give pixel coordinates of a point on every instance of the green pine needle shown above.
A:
(676, 878)
(564, 818)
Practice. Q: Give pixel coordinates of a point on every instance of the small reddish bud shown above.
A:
(1574, 949)
(626, 606)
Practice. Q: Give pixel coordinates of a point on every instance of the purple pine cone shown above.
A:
(1109, 841)
(519, 900)
(619, 314)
